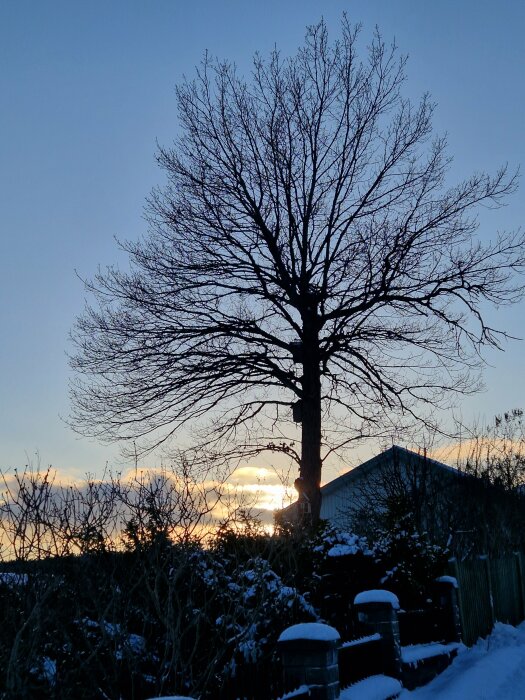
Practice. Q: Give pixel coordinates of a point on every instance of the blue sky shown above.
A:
(86, 90)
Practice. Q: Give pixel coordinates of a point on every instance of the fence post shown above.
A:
(485, 559)
(377, 613)
(521, 581)
(309, 655)
(456, 573)
(446, 588)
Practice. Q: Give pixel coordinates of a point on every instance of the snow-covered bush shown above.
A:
(264, 607)
(410, 561)
(185, 619)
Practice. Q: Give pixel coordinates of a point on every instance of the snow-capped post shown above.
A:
(446, 591)
(377, 613)
(171, 697)
(309, 655)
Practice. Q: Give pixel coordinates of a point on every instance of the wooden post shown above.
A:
(309, 655)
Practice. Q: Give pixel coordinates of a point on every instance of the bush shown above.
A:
(159, 612)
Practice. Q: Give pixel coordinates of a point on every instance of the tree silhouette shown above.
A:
(305, 253)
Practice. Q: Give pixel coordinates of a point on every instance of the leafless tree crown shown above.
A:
(306, 213)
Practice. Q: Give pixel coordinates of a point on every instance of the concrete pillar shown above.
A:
(377, 613)
(446, 596)
(309, 656)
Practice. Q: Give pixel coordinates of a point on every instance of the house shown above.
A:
(395, 479)
(467, 513)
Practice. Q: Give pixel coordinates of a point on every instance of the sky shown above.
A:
(86, 93)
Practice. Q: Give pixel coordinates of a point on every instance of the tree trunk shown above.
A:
(310, 470)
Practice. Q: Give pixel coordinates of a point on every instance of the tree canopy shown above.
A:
(306, 252)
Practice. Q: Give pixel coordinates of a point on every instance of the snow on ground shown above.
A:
(413, 653)
(373, 688)
(493, 669)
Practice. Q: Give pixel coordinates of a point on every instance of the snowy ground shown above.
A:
(493, 669)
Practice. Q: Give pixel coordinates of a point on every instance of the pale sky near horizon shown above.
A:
(86, 91)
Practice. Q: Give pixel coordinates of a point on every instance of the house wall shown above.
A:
(341, 506)
(371, 487)
(374, 485)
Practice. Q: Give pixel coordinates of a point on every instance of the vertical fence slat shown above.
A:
(488, 574)
(506, 590)
(521, 578)
(490, 590)
(476, 613)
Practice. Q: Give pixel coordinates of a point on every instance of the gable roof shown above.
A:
(390, 456)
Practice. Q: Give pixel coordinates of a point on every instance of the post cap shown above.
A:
(311, 631)
(377, 596)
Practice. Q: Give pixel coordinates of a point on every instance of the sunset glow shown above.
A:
(261, 487)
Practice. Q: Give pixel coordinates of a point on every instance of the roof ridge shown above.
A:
(375, 461)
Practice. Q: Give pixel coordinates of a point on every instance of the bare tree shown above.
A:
(491, 500)
(495, 453)
(305, 252)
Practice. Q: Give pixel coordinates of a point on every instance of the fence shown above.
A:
(421, 626)
(490, 590)
(360, 659)
(311, 654)
(253, 681)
